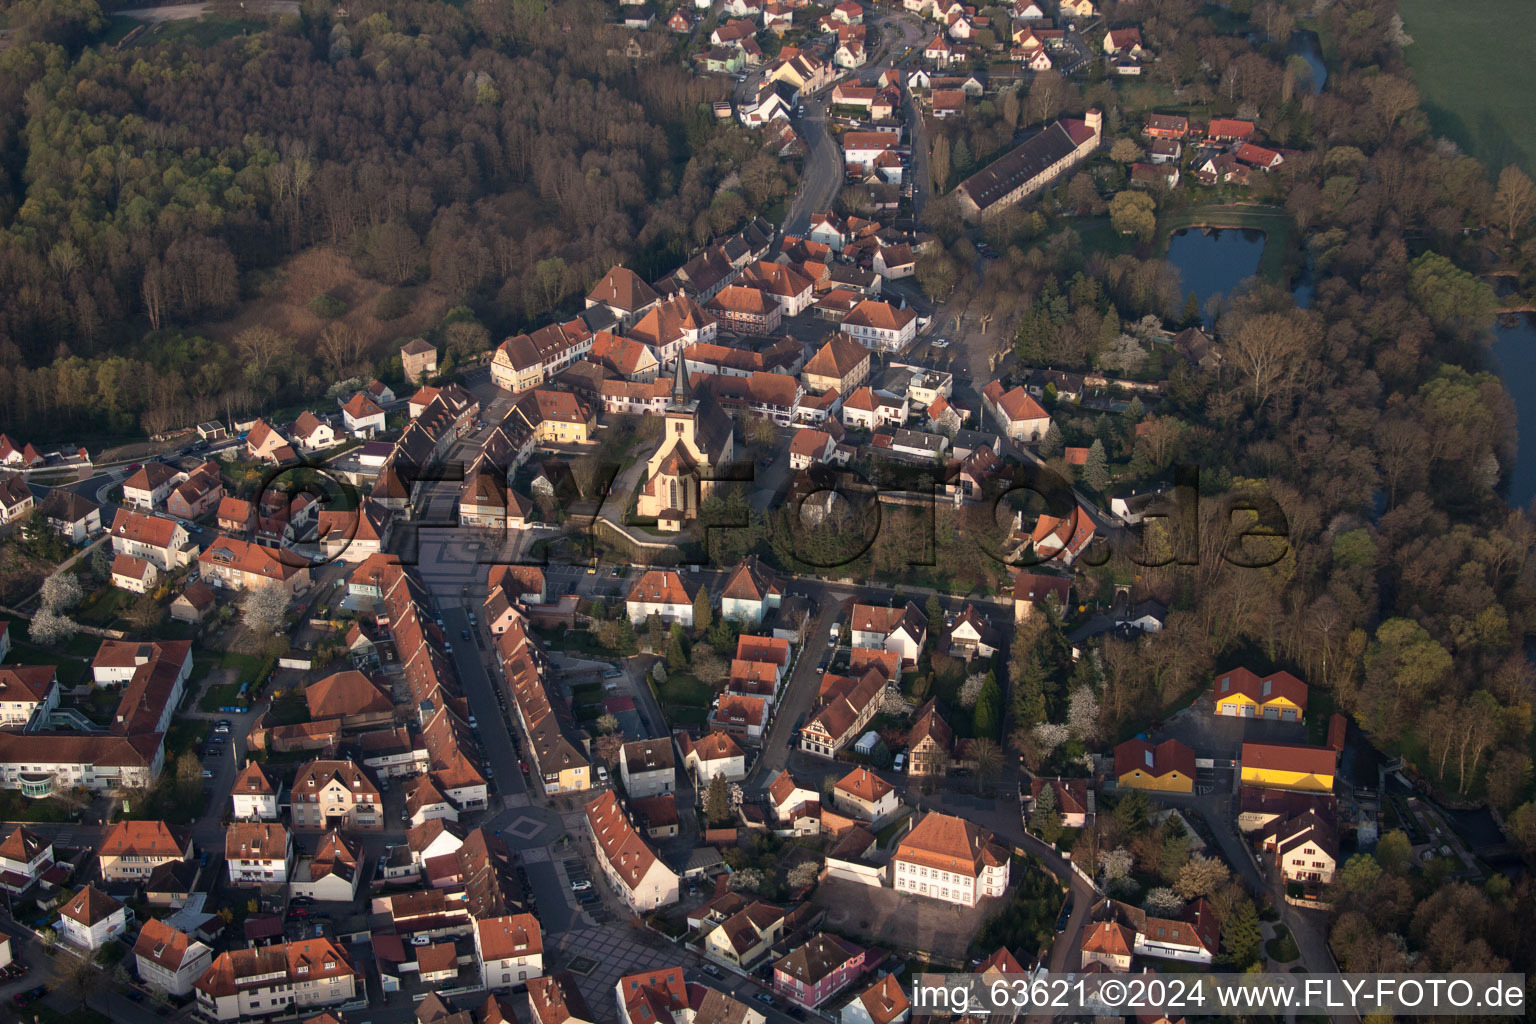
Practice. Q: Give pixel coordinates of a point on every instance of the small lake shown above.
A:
(1304, 44)
(1514, 346)
(1214, 261)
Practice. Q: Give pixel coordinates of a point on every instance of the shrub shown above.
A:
(392, 305)
(327, 306)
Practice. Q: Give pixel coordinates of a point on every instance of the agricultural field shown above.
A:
(1476, 76)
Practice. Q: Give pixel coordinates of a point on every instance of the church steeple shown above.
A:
(680, 381)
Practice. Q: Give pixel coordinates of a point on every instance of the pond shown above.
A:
(1514, 346)
(1214, 262)
(1304, 44)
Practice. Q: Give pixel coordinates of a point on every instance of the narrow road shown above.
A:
(823, 172)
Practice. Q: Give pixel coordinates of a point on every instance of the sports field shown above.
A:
(1472, 64)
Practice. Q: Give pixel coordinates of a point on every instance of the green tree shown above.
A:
(1449, 295)
(703, 614)
(935, 612)
(717, 800)
(1052, 444)
(1028, 700)
(1131, 213)
(1096, 467)
(1045, 821)
(987, 718)
(1240, 935)
(677, 653)
(1394, 852)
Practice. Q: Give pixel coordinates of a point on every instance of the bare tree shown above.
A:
(1514, 199)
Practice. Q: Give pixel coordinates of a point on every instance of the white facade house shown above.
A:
(168, 960)
(879, 325)
(636, 874)
(258, 853)
(91, 918)
(510, 950)
(715, 754)
(660, 592)
(254, 797)
(269, 981)
(648, 768)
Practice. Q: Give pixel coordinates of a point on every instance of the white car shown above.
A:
(582, 886)
(420, 940)
(940, 343)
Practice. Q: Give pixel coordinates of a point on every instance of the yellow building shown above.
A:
(1241, 694)
(1288, 766)
(1168, 767)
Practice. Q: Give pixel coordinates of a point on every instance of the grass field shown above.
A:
(1476, 76)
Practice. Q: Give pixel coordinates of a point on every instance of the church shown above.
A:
(697, 445)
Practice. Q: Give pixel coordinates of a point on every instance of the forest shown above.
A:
(501, 157)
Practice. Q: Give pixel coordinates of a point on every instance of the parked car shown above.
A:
(31, 995)
(420, 940)
(464, 635)
(712, 970)
(447, 647)
(940, 343)
(764, 998)
(581, 885)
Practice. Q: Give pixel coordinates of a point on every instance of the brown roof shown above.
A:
(250, 559)
(648, 755)
(656, 811)
(1071, 794)
(142, 839)
(930, 725)
(509, 936)
(716, 746)
(618, 842)
(884, 1001)
(837, 358)
(252, 780)
(622, 288)
(142, 529)
(360, 406)
(864, 785)
(151, 476)
(1167, 756)
(90, 906)
(255, 840)
(1109, 938)
(819, 957)
(660, 586)
(1287, 757)
(949, 844)
(321, 959)
(161, 944)
(555, 999)
(23, 845)
(735, 298)
(750, 581)
(1261, 689)
(879, 315)
(26, 684)
(345, 693)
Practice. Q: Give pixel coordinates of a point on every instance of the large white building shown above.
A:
(648, 768)
(269, 981)
(951, 859)
(637, 875)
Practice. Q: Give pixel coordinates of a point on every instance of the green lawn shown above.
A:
(220, 696)
(684, 690)
(1476, 76)
(252, 667)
